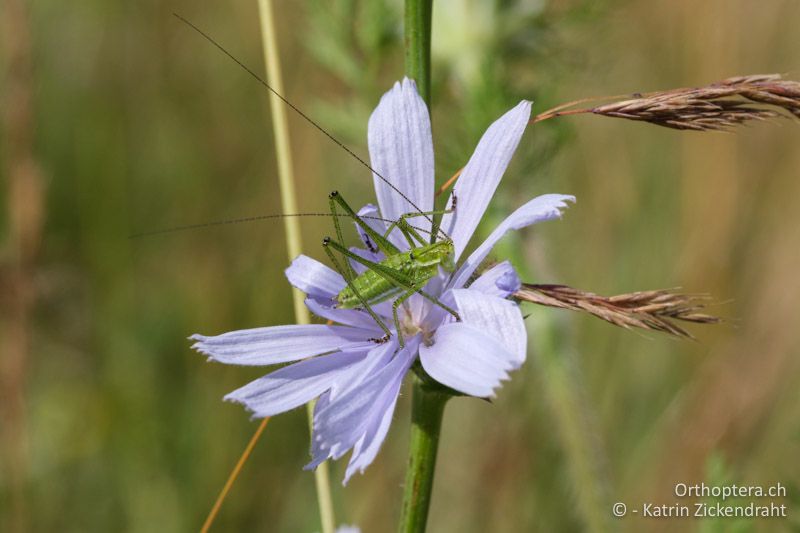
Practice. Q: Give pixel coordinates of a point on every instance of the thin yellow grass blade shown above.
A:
(212, 515)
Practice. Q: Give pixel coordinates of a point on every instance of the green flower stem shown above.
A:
(427, 403)
(427, 409)
(418, 45)
(291, 224)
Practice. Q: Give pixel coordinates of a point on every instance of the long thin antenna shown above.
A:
(254, 218)
(299, 112)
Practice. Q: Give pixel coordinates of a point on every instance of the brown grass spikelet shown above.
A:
(654, 310)
(718, 106)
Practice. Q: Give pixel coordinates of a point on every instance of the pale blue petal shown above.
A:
(467, 360)
(380, 419)
(295, 385)
(375, 361)
(379, 356)
(318, 454)
(368, 447)
(480, 177)
(348, 416)
(348, 317)
(433, 315)
(541, 208)
(369, 212)
(314, 278)
(495, 317)
(358, 266)
(319, 451)
(501, 280)
(281, 344)
(357, 413)
(370, 251)
(401, 150)
(356, 317)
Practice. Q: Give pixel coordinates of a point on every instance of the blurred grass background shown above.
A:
(138, 124)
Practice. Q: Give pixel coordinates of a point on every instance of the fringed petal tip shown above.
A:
(321, 456)
(539, 209)
(407, 84)
(253, 412)
(560, 202)
(350, 473)
(310, 467)
(230, 398)
(199, 344)
(201, 348)
(319, 452)
(236, 397)
(492, 395)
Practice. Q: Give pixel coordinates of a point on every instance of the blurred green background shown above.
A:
(111, 423)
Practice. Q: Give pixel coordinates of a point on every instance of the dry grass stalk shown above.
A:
(24, 195)
(718, 106)
(652, 310)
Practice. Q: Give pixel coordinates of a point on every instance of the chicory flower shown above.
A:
(357, 379)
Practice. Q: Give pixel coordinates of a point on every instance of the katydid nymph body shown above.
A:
(400, 274)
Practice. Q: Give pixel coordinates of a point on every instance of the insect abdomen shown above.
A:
(371, 287)
(374, 288)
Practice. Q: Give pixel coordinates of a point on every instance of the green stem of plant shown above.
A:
(427, 409)
(418, 45)
(427, 404)
(291, 224)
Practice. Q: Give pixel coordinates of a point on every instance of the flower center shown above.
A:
(408, 326)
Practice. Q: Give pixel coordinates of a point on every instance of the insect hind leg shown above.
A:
(327, 243)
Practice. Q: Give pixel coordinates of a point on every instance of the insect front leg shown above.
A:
(409, 232)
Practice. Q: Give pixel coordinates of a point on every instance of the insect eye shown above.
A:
(333, 194)
(411, 256)
(326, 241)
